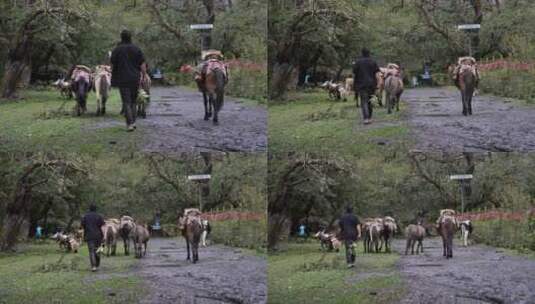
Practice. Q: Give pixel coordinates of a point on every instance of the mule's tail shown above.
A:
(109, 236)
(221, 80)
(103, 87)
(82, 88)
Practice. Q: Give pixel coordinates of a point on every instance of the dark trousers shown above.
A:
(365, 102)
(129, 98)
(94, 257)
(350, 251)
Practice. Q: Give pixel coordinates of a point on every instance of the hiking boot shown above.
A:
(93, 269)
(130, 128)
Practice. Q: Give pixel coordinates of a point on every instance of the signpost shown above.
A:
(204, 30)
(461, 178)
(200, 178)
(201, 26)
(469, 28)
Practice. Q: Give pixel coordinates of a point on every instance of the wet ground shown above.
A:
(175, 123)
(437, 123)
(475, 275)
(222, 275)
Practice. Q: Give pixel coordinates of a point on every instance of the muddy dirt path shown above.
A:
(476, 275)
(222, 275)
(175, 123)
(437, 123)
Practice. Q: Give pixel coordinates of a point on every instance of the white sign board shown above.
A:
(461, 176)
(201, 26)
(469, 26)
(199, 177)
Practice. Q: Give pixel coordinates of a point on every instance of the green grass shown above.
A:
(303, 274)
(509, 83)
(310, 122)
(36, 122)
(40, 273)
(518, 236)
(244, 234)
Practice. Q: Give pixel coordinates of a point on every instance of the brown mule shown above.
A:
(446, 229)
(467, 84)
(191, 227)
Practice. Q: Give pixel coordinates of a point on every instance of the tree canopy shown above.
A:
(327, 35)
(316, 188)
(43, 36)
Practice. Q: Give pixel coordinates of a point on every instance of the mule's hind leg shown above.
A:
(98, 106)
(398, 98)
(207, 110)
(450, 246)
(469, 103)
(188, 249)
(380, 98)
(218, 105)
(463, 97)
(389, 104)
(195, 250)
(103, 106)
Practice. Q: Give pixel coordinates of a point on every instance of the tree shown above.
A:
(301, 33)
(303, 185)
(35, 21)
(55, 176)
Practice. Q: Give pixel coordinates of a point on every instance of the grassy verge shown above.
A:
(303, 274)
(240, 233)
(243, 83)
(310, 122)
(38, 121)
(40, 273)
(245, 100)
(516, 235)
(509, 83)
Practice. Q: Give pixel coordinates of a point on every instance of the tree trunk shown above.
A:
(16, 216)
(18, 63)
(279, 80)
(338, 76)
(276, 226)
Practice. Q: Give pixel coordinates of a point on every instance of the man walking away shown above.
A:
(127, 62)
(350, 228)
(365, 83)
(92, 223)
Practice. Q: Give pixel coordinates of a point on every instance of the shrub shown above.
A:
(509, 83)
(248, 81)
(240, 233)
(518, 235)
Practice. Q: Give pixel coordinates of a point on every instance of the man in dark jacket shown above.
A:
(350, 229)
(365, 83)
(92, 223)
(127, 62)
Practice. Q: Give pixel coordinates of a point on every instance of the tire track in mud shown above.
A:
(175, 123)
(476, 274)
(222, 275)
(437, 124)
